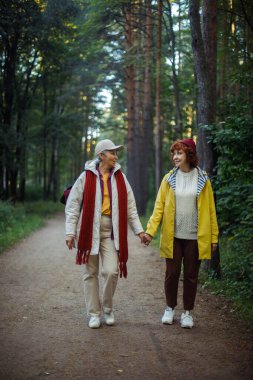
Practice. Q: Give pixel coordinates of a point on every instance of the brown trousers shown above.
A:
(186, 251)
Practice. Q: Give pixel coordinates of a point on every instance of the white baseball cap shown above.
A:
(106, 145)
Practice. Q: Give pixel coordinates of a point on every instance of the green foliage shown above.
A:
(18, 221)
(43, 209)
(34, 193)
(237, 271)
(233, 185)
(237, 277)
(7, 218)
(234, 180)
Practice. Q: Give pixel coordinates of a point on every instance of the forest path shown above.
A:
(44, 332)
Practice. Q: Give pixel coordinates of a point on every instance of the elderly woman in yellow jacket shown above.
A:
(189, 232)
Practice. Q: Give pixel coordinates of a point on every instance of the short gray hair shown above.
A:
(98, 159)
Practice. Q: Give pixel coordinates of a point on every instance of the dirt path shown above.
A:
(44, 333)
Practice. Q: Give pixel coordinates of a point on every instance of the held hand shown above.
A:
(147, 239)
(70, 242)
(141, 236)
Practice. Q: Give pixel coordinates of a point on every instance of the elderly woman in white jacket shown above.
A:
(99, 207)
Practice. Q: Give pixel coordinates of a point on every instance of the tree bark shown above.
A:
(204, 45)
(223, 60)
(45, 112)
(130, 83)
(138, 133)
(24, 102)
(147, 105)
(53, 178)
(204, 52)
(158, 127)
(9, 74)
(138, 98)
(178, 117)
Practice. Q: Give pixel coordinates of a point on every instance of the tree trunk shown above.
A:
(158, 128)
(53, 179)
(223, 60)
(86, 126)
(147, 106)
(204, 53)
(55, 170)
(204, 43)
(45, 112)
(209, 30)
(178, 117)
(24, 102)
(138, 87)
(138, 130)
(7, 159)
(130, 94)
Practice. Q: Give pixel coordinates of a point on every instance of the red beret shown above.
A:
(189, 143)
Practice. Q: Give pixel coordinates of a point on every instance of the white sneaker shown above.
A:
(109, 319)
(94, 322)
(168, 316)
(186, 320)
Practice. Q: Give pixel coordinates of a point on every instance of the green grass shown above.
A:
(232, 291)
(236, 282)
(17, 222)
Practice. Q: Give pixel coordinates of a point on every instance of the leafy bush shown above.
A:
(6, 216)
(234, 180)
(233, 184)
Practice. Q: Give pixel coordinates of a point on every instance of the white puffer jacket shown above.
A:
(73, 210)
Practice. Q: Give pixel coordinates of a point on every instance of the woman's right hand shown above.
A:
(70, 242)
(147, 239)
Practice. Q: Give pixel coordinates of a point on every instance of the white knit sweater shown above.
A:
(186, 216)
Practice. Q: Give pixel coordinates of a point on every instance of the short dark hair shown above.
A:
(191, 155)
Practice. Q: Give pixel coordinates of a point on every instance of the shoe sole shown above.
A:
(187, 327)
(109, 323)
(168, 323)
(94, 326)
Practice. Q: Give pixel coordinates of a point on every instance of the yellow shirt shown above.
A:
(106, 207)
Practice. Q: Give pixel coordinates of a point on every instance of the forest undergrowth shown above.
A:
(19, 220)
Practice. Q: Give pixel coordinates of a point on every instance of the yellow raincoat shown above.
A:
(164, 212)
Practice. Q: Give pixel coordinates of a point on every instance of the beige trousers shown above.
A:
(109, 271)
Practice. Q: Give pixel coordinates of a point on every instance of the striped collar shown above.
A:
(202, 178)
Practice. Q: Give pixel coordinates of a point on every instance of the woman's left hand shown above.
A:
(214, 247)
(70, 242)
(141, 236)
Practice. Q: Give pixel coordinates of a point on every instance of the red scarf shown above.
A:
(85, 236)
